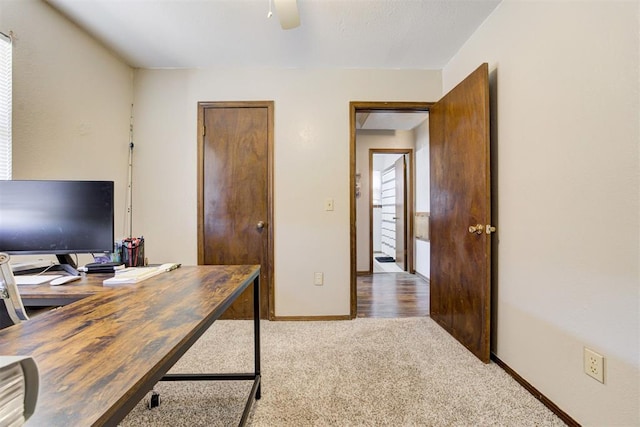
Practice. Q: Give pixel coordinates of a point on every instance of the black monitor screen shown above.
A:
(56, 217)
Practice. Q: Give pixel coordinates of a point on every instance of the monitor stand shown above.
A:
(67, 264)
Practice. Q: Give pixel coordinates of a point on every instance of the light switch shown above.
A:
(328, 205)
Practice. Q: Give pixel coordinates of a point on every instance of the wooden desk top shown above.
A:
(99, 356)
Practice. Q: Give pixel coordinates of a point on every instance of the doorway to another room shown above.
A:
(389, 182)
(390, 189)
(458, 223)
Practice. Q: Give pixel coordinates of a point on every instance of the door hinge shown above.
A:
(204, 130)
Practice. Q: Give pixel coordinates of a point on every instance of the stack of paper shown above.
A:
(12, 395)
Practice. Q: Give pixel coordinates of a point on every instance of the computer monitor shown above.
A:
(56, 217)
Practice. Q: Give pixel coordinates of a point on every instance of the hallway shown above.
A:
(392, 295)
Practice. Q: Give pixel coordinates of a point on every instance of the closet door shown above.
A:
(235, 187)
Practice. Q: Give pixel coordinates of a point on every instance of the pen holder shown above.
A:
(132, 252)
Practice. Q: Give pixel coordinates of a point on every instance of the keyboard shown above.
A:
(137, 274)
(37, 279)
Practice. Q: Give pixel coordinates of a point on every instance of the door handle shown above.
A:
(477, 229)
(260, 225)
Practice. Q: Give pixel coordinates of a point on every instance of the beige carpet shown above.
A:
(364, 372)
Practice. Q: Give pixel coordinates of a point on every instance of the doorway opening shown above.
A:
(459, 218)
(391, 204)
(385, 205)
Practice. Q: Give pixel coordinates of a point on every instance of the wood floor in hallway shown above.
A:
(392, 295)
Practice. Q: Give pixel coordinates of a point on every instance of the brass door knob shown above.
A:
(260, 225)
(477, 229)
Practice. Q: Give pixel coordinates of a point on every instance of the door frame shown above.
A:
(269, 105)
(409, 201)
(355, 106)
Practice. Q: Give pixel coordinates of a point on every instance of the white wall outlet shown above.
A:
(594, 364)
(328, 205)
(318, 279)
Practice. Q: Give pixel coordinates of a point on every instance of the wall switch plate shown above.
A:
(318, 279)
(594, 364)
(328, 205)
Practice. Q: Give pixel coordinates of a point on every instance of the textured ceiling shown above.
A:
(395, 34)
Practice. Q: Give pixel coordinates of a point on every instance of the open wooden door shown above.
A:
(401, 213)
(460, 293)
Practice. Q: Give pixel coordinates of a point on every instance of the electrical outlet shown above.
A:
(594, 364)
(318, 279)
(328, 205)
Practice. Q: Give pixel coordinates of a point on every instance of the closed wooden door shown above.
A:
(235, 214)
(401, 212)
(460, 293)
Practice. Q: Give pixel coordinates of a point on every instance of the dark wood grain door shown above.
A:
(461, 198)
(401, 212)
(235, 187)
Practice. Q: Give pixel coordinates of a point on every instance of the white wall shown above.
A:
(311, 164)
(71, 101)
(567, 135)
(366, 140)
(423, 199)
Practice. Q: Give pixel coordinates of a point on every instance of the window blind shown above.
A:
(5, 106)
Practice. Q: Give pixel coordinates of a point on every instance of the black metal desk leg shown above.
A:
(256, 331)
(256, 389)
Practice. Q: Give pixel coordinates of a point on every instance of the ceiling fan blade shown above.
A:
(287, 13)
